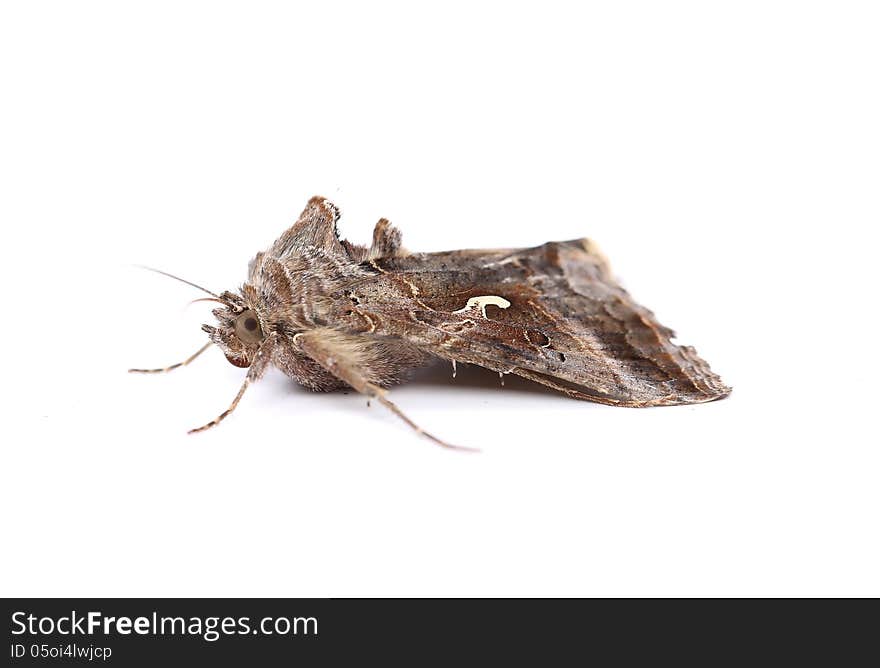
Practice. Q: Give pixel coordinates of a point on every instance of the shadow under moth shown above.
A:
(331, 314)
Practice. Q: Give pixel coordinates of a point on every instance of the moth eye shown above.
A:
(247, 327)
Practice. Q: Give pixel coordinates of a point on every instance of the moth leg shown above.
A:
(255, 372)
(223, 415)
(175, 366)
(327, 349)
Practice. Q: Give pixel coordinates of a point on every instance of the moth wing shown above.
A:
(552, 314)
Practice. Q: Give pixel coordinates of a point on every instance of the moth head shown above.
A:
(239, 331)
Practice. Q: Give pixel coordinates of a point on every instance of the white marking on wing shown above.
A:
(482, 302)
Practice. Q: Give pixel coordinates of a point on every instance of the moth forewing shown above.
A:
(563, 317)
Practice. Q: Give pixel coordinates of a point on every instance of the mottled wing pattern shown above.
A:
(552, 314)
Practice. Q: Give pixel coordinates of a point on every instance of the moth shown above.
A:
(331, 314)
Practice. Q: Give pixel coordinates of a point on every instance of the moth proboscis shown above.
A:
(331, 314)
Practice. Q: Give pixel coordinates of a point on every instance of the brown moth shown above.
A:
(331, 315)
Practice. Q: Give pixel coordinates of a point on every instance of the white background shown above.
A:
(724, 155)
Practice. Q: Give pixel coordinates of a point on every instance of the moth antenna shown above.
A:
(208, 299)
(178, 278)
(175, 366)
